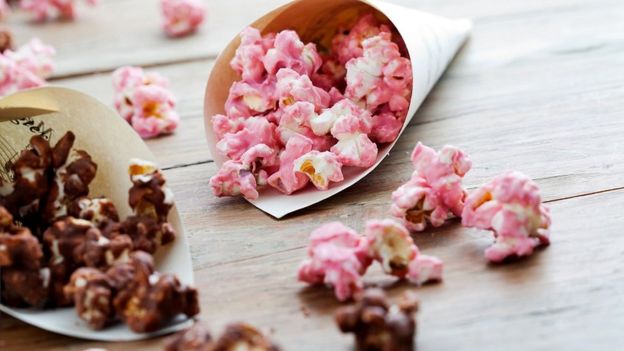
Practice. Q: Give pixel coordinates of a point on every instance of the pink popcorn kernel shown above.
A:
(250, 99)
(256, 130)
(182, 17)
(49, 9)
(354, 148)
(126, 80)
(287, 179)
(416, 204)
(295, 120)
(248, 58)
(321, 167)
(292, 87)
(337, 257)
(510, 205)
(28, 67)
(390, 243)
(291, 53)
(234, 179)
(154, 111)
(347, 44)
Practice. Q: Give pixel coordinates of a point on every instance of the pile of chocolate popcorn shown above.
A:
(59, 247)
(300, 114)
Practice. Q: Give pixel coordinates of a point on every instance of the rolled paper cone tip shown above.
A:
(432, 42)
(112, 143)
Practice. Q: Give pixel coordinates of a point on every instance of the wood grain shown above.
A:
(538, 88)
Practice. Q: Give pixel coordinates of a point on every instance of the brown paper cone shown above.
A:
(432, 43)
(112, 143)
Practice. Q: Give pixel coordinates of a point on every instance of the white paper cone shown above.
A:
(432, 42)
(111, 143)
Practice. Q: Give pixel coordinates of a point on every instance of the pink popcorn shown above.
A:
(353, 148)
(126, 80)
(386, 128)
(290, 52)
(250, 99)
(292, 87)
(321, 167)
(348, 44)
(154, 111)
(324, 122)
(26, 68)
(511, 206)
(295, 120)
(222, 125)
(443, 171)
(234, 179)
(424, 269)
(434, 193)
(182, 17)
(391, 244)
(248, 58)
(287, 179)
(337, 256)
(256, 130)
(380, 76)
(46, 9)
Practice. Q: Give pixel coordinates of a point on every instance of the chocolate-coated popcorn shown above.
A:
(195, 338)
(90, 291)
(26, 287)
(149, 196)
(147, 234)
(101, 252)
(242, 336)
(152, 299)
(379, 325)
(511, 206)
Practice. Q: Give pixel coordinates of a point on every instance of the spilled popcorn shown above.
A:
(510, 205)
(339, 257)
(144, 101)
(52, 9)
(26, 68)
(318, 111)
(182, 17)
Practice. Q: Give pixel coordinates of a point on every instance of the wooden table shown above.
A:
(538, 88)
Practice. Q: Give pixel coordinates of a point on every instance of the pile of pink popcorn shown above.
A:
(144, 101)
(339, 257)
(26, 68)
(510, 205)
(50, 9)
(182, 17)
(298, 116)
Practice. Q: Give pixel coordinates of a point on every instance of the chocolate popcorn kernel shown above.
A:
(91, 292)
(379, 325)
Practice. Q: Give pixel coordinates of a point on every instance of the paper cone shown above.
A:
(112, 143)
(432, 43)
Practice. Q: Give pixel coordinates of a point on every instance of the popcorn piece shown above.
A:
(290, 53)
(149, 196)
(353, 148)
(100, 211)
(65, 240)
(287, 179)
(248, 58)
(147, 233)
(223, 125)
(101, 252)
(292, 87)
(338, 257)
(423, 269)
(347, 44)
(20, 249)
(152, 299)
(380, 76)
(71, 182)
(30, 184)
(25, 288)
(195, 338)
(47, 9)
(390, 244)
(378, 325)
(234, 179)
(251, 99)
(241, 336)
(26, 68)
(386, 128)
(257, 131)
(434, 193)
(295, 120)
(154, 111)
(511, 206)
(125, 82)
(92, 295)
(320, 167)
(323, 123)
(182, 17)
